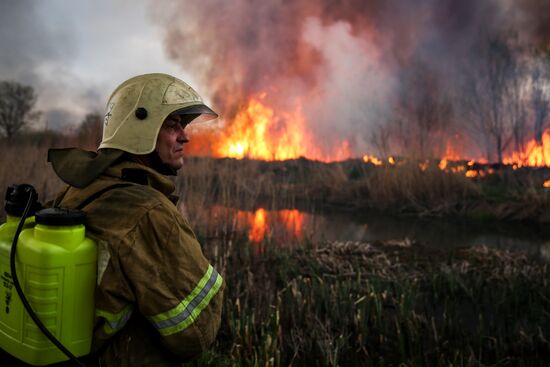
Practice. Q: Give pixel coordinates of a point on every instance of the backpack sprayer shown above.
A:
(50, 263)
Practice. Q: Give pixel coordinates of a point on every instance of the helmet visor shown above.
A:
(197, 113)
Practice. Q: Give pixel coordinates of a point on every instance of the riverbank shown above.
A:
(405, 188)
(408, 188)
(379, 304)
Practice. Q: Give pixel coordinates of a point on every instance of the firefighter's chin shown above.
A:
(175, 163)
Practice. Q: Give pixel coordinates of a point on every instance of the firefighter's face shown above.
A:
(170, 141)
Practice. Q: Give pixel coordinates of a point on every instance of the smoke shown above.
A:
(347, 64)
(533, 20)
(27, 41)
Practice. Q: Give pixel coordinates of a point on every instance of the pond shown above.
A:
(292, 226)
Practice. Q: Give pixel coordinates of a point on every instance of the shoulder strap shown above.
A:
(97, 194)
(60, 197)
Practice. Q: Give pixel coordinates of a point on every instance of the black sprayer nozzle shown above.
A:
(17, 197)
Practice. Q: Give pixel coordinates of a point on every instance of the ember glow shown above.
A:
(372, 159)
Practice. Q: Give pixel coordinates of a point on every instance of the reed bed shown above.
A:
(315, 186)
(379, 304)
(27, 163)
(353, 185)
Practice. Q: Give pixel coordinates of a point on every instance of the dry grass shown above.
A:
(350, 185)
(26, 163)
(407, 188)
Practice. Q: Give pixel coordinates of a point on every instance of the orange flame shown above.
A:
(535, 155)
(443, 164)
(546, 183)
(451, 154)
(372, 159)
(257, 132)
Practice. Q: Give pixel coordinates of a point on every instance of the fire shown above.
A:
(451, 154)
(535, 155)
(546, 183)
(258, 132)
(372, 159)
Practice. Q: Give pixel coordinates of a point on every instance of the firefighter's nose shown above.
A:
(182, 135)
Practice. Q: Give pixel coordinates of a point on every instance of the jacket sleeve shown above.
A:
(175, 287)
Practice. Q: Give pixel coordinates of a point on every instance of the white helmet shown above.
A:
(138, 107)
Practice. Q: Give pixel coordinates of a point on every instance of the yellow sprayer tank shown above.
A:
(56, 267)
(11, 308)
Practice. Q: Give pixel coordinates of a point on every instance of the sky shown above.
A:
(74, 53)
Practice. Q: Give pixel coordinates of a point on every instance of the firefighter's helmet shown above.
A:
(138, 107)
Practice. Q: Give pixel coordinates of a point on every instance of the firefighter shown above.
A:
(158, 300)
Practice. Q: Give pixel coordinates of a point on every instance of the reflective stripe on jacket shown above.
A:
(158, 300)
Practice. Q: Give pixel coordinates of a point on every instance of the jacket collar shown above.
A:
(79, 168)
(138, 173)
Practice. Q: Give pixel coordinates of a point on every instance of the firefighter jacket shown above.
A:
(158, 300)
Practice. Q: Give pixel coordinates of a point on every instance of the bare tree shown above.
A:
(475, 111)
(499, 67)
(516, 98)
(485, 96)
(16, 107)
(540, 94)
(380, 139)
(425, 113)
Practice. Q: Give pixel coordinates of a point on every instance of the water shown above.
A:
(294, 226)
